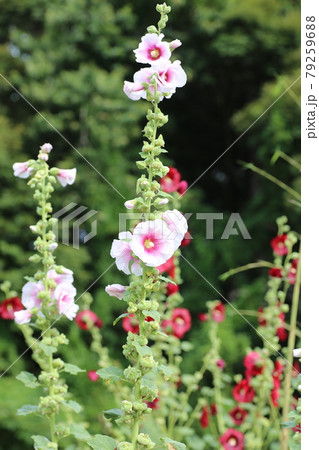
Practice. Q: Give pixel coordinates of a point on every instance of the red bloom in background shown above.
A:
(281, 331)
(9, 306)
(154, 404)
(204, 419)
(171, 289)
(243, 392)
(130, 323)
(276, 377)
(261, 319)
(87, 317)
(92, 375)
(232, 440)
(278, 245)
(167, 266)
(186, 240)
(172, 182)
(296, 369)
(213, 409)
(218, 313)
(292, 272)
(275, 272)
(221, 363)
(238, 415)
(202, 317)
(180, 323)
(253, 364)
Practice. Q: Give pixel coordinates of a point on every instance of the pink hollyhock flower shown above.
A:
(275, 272)
(152, 50)
(243, 392)
(180, 323)
(9, 306)
(171, 289)
(182, 187)
(64, 294)
(87, 318)
(221, 364)
(136, 91)
(232, 440)
(167, 266)
(30, 293)
(22, 317)
(92, 375)
(292, 272)
(116, 290)
(254, 365)
(66, 176)
(122, 252)
(22, 170)
(204, 418)
(65, 277)
(46, 148)
(218, 313)
(278, 244)
(152, 242)
(170, 77)
(238, 415)
(202, 317)
(177, 223)
(213, 409)
(175, 44)
(130, 323)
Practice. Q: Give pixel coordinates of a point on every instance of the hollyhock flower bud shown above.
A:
(218, 313)
(129, 204)
(232, 440)
(275, 272)
(116, 290)
(46, 148)
(22, 170)
(154, 404)
(238, 415)
(182, 187)
(278, 245)
(221, 364)
(33, 228)
(9, 306)
(204, 418)
(53, 246)
(122, 252)
(22, 317)
(175, 44)
(243, 392)
(152, 242)
(87, 318)
(213, 409)
(64, 294)
(152, 50)
(297, 353)
(202, 317)
(292, 273)
(30, 294)
(43, 156)
(164, 201)
(177, 223)
(171, 289)
(66, 176)
(92, 375)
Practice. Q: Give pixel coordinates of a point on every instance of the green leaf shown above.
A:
(166, 371)
(110, 373)
(100, 442)
(79, 431)
(113, 413)
(48, 349)
(75, 406)
(289, 424)
(28, 379)
(71, 368)
(146, 382)
(142, 350)
(173, 445)
(120, 317)
(40, 442)
(167, 280)
(27, 409)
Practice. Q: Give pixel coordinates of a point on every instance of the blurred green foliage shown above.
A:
(69, 60)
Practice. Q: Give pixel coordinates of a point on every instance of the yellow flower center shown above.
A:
(155, 53)
(148, 243)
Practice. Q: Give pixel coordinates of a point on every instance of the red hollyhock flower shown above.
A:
(213, 409)
(275, 272)
(296, 369)
(232, 440)
(218, 313)
(180, 323)
(243, 392)
(167, 266)
(253, 364)
(204, 418)
(238, 415)
(261, 320)
(276, 377)
(186, 240)
(292, 272)
(182, 187)
(154, 404)
(278, 245)
(9, 306)
(281, 331)
(92, 375)
(172, 182)
(202, 317)
(130, 323)
(275, 396)
(87, 318)
(171, 289)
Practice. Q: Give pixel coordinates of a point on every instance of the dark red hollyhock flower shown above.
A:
(296, 369)
(278, 245)
(218, 313)
(238, 415)
(186, 240)
(204, 418)
(9, 306)
(213, 409)
(202, 317)
(180, 323)
(292, 272)
(261, 320)
(172, 182)
(253, 363)
(275, 396)
(276, 377)
(154, 404)
(297, 429)
(92, 375)
(171, 289)
(275, 272)
(281, 331)
(86, 317)
(243, 392)
(232, 440)
(167, 266)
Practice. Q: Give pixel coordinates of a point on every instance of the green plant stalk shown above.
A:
(289, 160)
(216, 371)
(291, 346)
(257, 265)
